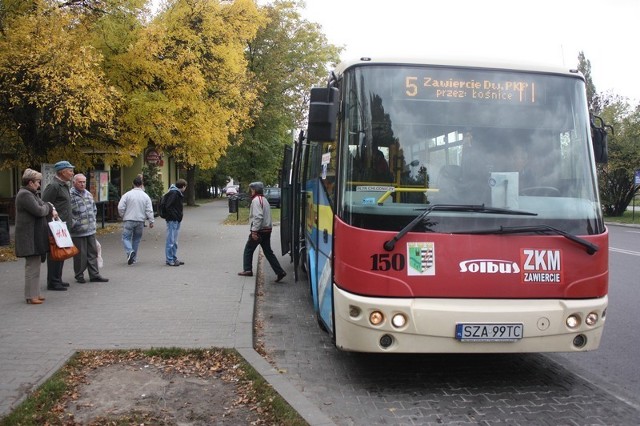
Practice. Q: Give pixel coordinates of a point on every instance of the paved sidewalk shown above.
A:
(201, 304)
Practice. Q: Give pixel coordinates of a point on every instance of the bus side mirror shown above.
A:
(323, 113)
(599, 139)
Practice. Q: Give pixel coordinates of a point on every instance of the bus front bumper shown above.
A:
(430, 325)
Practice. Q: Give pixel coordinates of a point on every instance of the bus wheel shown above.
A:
(302, 255)
(321, 324)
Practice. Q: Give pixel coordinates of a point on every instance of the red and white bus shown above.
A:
(450, 207)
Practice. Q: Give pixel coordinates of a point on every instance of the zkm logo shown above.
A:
(489, 266)
(541, 266)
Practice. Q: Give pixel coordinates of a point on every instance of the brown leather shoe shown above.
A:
(34, 301)
(245, 273)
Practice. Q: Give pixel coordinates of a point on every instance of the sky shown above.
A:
(548, 32)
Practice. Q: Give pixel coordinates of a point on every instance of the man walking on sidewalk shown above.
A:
(134, 208)
(260, 226)
(172, 206)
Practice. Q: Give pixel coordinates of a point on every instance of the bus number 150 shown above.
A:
(387, 261)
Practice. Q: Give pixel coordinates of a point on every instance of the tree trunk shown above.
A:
(191, 186)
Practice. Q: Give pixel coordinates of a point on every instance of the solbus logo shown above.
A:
(489, 266)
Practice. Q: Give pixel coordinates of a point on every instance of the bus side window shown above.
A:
(328, 174)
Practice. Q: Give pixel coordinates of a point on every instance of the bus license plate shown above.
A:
(510, 332)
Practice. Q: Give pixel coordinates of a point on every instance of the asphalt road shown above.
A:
(599, 387)
(615, 364)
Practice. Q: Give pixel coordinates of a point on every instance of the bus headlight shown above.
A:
(376, 317)
(399, 320)
(591, 319)
(573, 321)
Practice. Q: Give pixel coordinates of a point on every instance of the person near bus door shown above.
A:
(260, 227)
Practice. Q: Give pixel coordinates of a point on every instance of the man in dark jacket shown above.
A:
(57, 193)
(173, 216)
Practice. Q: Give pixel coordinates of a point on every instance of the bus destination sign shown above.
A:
(494, 88)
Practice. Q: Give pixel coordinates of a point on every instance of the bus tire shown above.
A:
(302, 255)
(321, 324)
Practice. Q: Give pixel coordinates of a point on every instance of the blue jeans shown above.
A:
(131, 235)
(171, 246)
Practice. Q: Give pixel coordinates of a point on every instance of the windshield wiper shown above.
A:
(390, 245)
(539, 229)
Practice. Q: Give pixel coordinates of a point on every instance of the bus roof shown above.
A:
(457, 62)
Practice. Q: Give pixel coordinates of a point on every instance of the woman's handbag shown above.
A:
(61, 253)
(60, 244)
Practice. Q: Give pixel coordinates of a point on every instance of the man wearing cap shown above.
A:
(57, 193)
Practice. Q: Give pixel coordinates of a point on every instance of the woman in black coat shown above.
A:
(32, 232)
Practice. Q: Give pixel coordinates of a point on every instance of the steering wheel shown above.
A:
(542, 191)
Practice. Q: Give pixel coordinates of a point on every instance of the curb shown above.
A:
(244, 344)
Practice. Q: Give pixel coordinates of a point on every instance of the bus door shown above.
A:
(286, 205)
(319, 229)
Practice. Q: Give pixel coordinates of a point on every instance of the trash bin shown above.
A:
(4, 229)
(233, 204)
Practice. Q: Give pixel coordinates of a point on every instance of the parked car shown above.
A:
(272, 194)
(230, 190)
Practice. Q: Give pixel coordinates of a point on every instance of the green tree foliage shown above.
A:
(616, 178)
(593, 99)
(288, 56)
(152, 183)
(55, 101)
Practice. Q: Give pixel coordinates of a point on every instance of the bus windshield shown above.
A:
(414, 136)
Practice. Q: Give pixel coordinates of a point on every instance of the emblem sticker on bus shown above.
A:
(541, 266)
(421, 259)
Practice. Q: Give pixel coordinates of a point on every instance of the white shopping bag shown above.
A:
(100, 261)
(60, 233)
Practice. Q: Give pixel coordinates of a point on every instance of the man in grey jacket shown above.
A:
(260, 227)
(83, 231)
